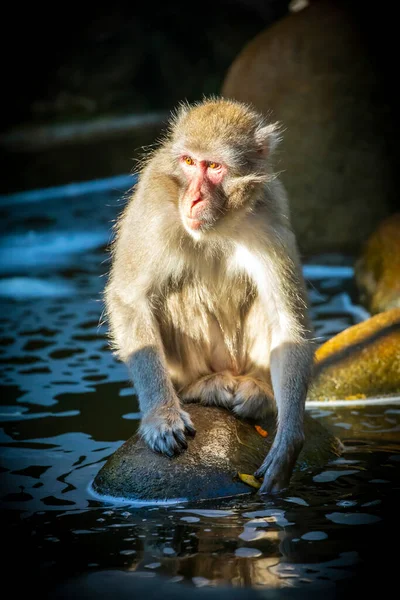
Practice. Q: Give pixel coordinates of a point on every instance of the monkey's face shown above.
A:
(203, 199)
(220, 155)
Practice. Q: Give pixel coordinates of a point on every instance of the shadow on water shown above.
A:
(67, 406)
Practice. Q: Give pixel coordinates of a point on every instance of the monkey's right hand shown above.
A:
(164, 428)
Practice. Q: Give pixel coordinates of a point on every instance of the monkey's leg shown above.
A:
(253, 397)
(216, 389)
(164, 422)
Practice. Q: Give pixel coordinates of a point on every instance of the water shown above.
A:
(66, 406)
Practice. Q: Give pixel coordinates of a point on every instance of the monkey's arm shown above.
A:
(139, 250)
(138, 342)
(290, 364)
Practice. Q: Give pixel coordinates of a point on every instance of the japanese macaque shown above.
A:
(206, 300)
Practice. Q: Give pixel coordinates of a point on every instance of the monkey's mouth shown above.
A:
(194, 224)
(196, 216)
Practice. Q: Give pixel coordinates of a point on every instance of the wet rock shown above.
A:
(377, 271)
(361, 361)
(223, 447)
(313, 70)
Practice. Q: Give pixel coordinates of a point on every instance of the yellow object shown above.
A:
(250, 480)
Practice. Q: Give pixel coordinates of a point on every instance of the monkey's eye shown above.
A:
(213, 165)
(188, 160)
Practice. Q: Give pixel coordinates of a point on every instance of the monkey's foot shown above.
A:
(253, 398)
(278, 465)
(217, 389)
(164, 429)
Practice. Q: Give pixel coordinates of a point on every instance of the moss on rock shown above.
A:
(377, 271)
(361, 361)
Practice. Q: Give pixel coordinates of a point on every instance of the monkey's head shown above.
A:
(220, 151)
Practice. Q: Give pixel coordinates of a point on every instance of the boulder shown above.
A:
(223, 447)
(377, 271)
(361, 361)
(312, 71)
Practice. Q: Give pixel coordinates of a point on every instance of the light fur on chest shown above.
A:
(210, 320)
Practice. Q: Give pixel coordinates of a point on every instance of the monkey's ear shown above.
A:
(267, 138)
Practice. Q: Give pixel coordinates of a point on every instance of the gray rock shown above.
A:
(223, 447)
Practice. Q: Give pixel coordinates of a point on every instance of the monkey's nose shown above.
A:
(196, 207)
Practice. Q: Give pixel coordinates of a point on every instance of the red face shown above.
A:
(200, 201)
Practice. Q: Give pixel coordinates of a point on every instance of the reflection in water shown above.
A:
(67, 406)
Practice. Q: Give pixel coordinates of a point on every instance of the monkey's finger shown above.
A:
(272, 486)
(166, 444)
(268, 484)
(190, 430)
(181, 439)
(187, 421)
(263, 470)
(269, 489)
(267, 467)
(275, 476)
(260, 472)
(164, 450)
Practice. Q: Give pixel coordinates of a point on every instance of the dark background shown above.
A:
(71, 63)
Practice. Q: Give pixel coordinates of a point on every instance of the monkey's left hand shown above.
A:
(279, 463)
